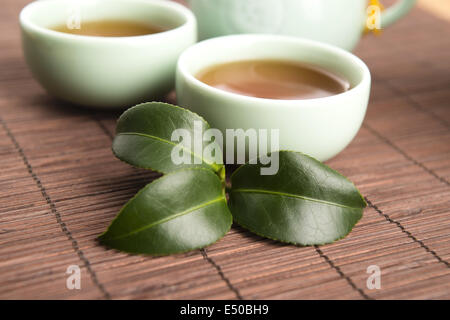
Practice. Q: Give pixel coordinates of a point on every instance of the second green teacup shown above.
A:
(320, 127)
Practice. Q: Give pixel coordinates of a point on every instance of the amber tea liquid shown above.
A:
(111, 28)
(274, 79)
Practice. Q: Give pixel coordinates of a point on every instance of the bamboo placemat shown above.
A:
(60, 187)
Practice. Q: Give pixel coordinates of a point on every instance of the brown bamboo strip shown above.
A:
(400, 161)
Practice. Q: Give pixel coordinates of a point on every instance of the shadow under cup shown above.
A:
(108, 72)
(319, 127)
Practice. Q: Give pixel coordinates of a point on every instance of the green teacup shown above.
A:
(319, 127)
(107, 72)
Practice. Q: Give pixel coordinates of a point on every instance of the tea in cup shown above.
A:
(274, 79)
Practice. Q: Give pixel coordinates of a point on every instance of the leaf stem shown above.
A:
(222, 174)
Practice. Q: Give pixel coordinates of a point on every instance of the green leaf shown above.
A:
(305, 203)
(144, 132)
(182, 211)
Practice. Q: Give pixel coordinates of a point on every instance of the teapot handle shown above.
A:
(398, 10)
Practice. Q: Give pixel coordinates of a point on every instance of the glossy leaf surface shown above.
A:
(144, 137)
(179, 212)
(305, 203)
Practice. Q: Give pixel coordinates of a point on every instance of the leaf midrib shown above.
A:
(213, 165)
(293, 196)
(171, 217)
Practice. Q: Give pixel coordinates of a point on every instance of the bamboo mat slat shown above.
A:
(60, 187)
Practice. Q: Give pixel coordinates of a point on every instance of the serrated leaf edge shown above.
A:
(165, 104)
(293, 242)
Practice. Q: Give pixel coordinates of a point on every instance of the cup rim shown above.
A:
(176, 7)
(183, 69)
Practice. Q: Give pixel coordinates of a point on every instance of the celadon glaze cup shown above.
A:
(319, 127)
(338, 22)
(106, 72)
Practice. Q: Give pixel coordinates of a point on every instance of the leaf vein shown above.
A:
(213, 165)
(161, 221)
(293, 196)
